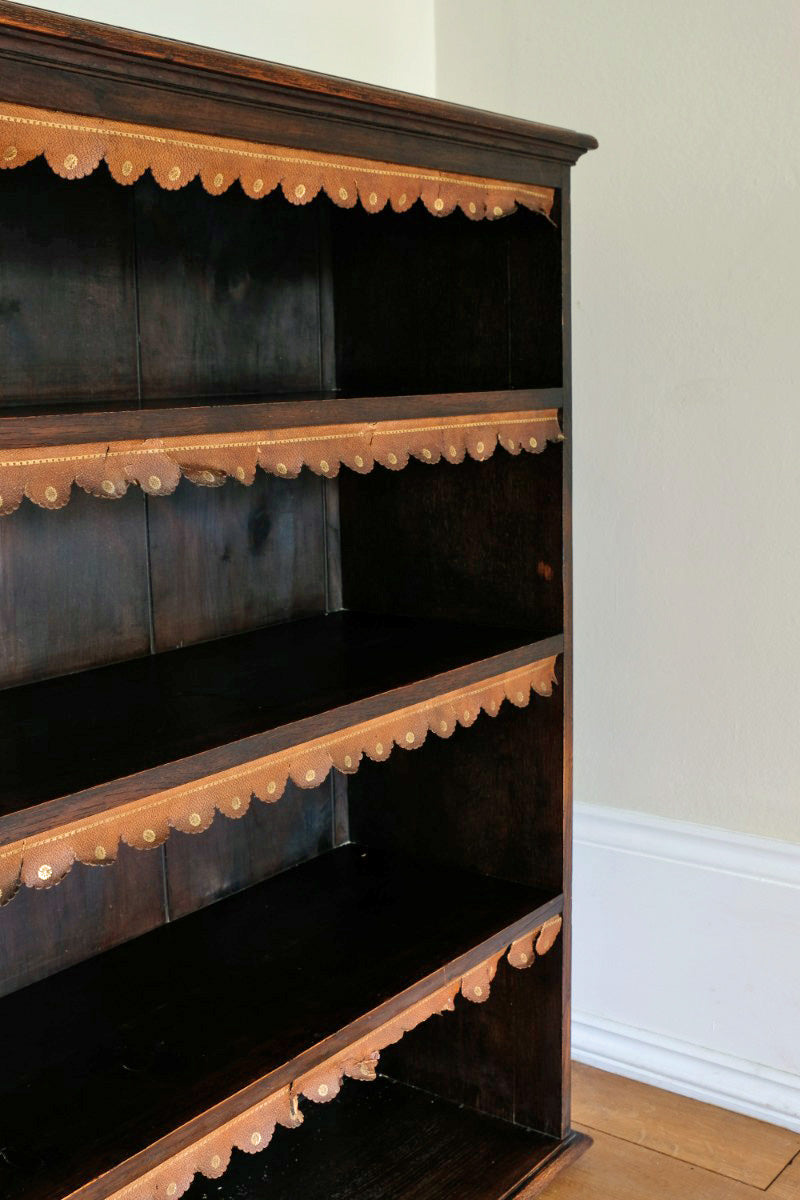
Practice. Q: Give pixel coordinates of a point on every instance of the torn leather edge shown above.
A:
(41, 861)
(46, 475)
(252, 1130)
(74, 146)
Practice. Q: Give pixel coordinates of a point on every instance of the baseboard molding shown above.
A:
(739, 854)
(687, 960)
(689, 1070)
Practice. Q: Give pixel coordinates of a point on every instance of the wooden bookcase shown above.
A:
(285, 801)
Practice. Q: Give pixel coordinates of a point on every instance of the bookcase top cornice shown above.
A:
(94, 69)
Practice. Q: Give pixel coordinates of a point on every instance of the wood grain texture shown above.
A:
(726, 1143)
(563, 212)
(155, 1033)
(67, 311)
(233, 855)
(623, 1171)
(172, 718)
(787, 1185)
(450, 332)
(455, 807)
(97, 909)
(502, 1058)
(386, 1141)
(73, 589)
(481, 542)
(228, 293)
(225, 560)
(536, 312)
(479, 304)
(240, 305)
(176, 416)
(438, 807)
(291, 101)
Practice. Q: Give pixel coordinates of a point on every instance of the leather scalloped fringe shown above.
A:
(44, 859)
(46, 475)
(252, 1131)
(75, 145)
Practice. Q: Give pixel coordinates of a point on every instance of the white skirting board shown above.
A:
(686, 960)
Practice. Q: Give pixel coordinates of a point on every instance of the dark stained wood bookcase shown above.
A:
(179, 995)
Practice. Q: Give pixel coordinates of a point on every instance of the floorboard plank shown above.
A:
(613, 1169)
(723, 1142)
(787, 1185)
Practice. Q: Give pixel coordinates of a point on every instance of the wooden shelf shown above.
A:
(394, 1142)
(178, 416)
(225, 1006)
(97, 738)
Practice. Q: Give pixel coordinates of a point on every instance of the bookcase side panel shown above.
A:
(487, 799)
(565, 211)
(478, 541)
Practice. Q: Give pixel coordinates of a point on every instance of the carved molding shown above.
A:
(106, 470)
(74, 146)
(44, 859)
(252, 1130)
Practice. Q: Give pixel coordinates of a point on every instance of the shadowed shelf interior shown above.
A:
(156, 1032)
(391, 1142)
(63, 735)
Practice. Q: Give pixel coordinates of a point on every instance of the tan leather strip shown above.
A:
(74, 146)
(107, 470)
(44, 859)
(252, 1130)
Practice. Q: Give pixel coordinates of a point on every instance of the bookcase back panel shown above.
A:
(73, 587)
(94, 908)
(67, 289)
(132, 294)
(480, 541)
(426, 304)
(228, 293)
(224, 560)
(97, 582)
(112, 294)
(232, 855)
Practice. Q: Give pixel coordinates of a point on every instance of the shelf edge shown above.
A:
(41, 843)
(236, 414)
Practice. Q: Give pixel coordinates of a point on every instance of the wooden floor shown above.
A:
(653, 1145)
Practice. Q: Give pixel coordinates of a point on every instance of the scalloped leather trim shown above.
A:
(252, 1130)
(74, 146)
(106, 470)
(43, 860)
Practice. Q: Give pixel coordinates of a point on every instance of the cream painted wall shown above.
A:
(385, 42)
(687, 383)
